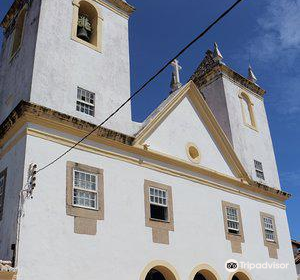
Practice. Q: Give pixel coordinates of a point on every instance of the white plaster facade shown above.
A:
(222, 95)
(47, 247)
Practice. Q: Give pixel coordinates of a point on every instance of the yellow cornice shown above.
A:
(244, 191)
(203, 110)
(49, 119)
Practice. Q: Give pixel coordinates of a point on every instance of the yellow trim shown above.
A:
(188, 152)
(163, 267)
(243, 95)
(212, 273)
(8, 275)
(13, 143)
(139, 156)
(142, 163)
(76, 6)
(14, 53)
(113, 9)
(242, 274)
(203, 110)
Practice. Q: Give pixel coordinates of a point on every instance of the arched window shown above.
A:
(247, 110)
(87, 24)
(18, 33)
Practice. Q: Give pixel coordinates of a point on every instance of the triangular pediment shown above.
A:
(183, 127)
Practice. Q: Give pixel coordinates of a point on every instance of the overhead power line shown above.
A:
(145, 84)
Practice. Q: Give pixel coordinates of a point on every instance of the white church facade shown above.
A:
(172, 198)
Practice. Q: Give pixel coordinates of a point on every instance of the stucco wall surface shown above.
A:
(123, 246)
(222, 96)
(248, 143)
(185, 125)
(62, 65)
(14, 162)
(16, 73)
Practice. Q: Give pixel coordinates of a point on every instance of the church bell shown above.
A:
(83, 34)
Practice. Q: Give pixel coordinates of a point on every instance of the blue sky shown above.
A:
(266, 31)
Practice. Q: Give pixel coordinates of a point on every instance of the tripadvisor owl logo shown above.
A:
(231, 265)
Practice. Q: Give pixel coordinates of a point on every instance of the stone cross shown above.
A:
(175, 84)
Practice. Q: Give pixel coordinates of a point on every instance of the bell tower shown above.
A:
(69, 56)
(238, 105)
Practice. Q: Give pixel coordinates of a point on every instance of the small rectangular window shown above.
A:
(259, 170)
(158, 204)
(232, 220)
(85, 102)
(85, 190)
(269, 229)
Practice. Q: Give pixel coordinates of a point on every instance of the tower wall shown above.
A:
(16, 72)
(62, 65)
(13, 163)
(222, 96)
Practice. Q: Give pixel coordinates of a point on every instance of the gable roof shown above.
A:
(160, 114)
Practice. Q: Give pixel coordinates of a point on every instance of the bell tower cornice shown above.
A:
(209, 69)
(119, 6)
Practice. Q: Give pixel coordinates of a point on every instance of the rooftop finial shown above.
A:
(175, 82)
(251, 75)
(217, 54)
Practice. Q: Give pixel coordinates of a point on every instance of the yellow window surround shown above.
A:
(244, 97)
(94, 12)
(18, 33)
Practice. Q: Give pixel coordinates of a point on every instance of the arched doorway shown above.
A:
(205, 275)
(159, 270)
(154, 274)
(204, 272)
(240, 275)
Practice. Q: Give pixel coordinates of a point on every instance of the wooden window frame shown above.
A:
(236, 239)
(259, 170)
(160, 228)
(273, 245)
(81, 102)
(85, 219)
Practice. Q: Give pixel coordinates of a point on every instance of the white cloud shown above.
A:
(277, 43)
(278, 32)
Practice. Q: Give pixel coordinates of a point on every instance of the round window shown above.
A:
(193, 153)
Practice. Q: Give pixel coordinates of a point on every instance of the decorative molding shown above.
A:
(30, 113)
(236, 240)
(160, 229)
(272, 246)
(241, 274)
(97, 45)
(209, 69)
(193, 152)
(206, 270)
(244, 96)
(85, 220)
(168, 271)
(210, 121)
(120, 7)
